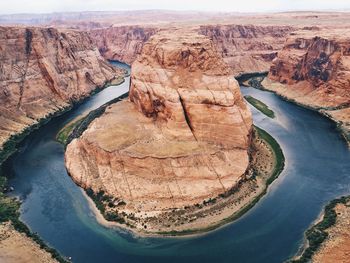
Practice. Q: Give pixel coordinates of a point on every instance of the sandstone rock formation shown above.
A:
(313, 69)
(245, 48)
(122, 43)
(181, 138)
(43, 71)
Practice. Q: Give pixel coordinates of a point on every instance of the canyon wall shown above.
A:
(122, 43)
(313, 69)
(181, 138)
(245, 48)
(43, 71)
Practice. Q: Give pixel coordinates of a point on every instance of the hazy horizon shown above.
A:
(248, 6)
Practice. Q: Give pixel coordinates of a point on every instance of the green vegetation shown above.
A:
(10, 146)
(101, 201)
(64, 133)
(245, 77)
(9, 211)
(260, 106)
(317, 234)
(77, 128)
(279, 166)
(279, 156)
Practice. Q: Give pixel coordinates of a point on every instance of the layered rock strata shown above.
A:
(246, 48)
(122, 43)
(313, 69)
(182, 137)
(43, 71)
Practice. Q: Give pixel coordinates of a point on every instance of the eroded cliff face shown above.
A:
(122, 43)
(245, 48)
(43, 71)
(313, 69)
(181, 138)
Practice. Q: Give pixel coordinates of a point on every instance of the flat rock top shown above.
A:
(339, 34)
(180, 49)
(133, 134)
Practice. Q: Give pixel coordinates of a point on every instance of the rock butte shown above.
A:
(313, 69)
(43, 71)
(182, 137)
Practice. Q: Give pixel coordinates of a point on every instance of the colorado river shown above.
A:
(317, 171)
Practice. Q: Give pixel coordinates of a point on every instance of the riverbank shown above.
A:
(9, 207)
(267, 162)
(329, 239)
(324, 241)
(243, 78)
(70, 130)
(16, 247)
(335, 114)
(76, 127)
(15, 234)
(9, 147)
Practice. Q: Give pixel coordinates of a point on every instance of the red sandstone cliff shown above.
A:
(42, 71)
(313, 68)
(245, 48)
(122, 43)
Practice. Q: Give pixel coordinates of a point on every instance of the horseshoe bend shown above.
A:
(180, 155)
(120, 130)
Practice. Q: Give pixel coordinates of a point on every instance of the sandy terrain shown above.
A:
(336, 248)
(16, 247)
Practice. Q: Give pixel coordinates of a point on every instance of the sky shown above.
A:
(48, 6)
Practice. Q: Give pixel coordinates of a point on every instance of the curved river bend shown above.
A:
(317, 171)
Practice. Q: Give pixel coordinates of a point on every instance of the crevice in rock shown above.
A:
(124, 176)
(29, 38)
(187, 118)
(28, 50)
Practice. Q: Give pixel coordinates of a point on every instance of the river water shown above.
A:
(317, 171)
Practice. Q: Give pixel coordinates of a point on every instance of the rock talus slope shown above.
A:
(42, 71)
(182, 137)
(313, 69)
